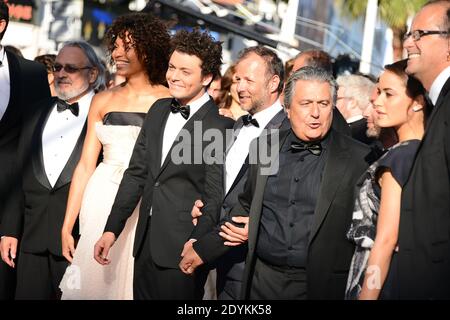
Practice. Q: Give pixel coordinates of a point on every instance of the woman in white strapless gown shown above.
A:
(113, 125)
(85, 278)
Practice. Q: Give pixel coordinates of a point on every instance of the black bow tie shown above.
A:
(248, 119)
(62, 105)
(314, 147)
(175, 107)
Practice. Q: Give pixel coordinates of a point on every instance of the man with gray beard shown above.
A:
(383, 137)
(49, 149)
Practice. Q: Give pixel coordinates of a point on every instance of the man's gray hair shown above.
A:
(358, 88)
(309, 74)
(93, 59)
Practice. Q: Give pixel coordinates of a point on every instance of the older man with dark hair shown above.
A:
(299, 214)
(49, 149)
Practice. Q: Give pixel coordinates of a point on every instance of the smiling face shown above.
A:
(69, 86)
(185, 79)
(125, 59)
(311, 110)
(252, 83)
(427, 57)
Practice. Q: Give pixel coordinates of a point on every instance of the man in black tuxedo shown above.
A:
(169, 183)
(49, 149)
(424, 235)
(352, 99)
(259, 74)
(301, 208)
(300, 213)
(22, 82)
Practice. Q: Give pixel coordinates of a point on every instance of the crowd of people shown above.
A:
(271, 181)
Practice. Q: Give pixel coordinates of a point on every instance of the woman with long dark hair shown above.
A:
(401, 105)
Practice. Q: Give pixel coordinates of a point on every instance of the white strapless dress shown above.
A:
(86, 279)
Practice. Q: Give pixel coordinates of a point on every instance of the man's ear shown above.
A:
(93, 74)
(2, 25)
(288, 112)
(206, 80)
(274, 82)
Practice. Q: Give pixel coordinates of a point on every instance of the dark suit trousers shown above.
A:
(152, 282)
(39, 275)
(273, 283)
(7, 281)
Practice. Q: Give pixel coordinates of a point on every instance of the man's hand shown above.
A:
(195, 213)
(102, 247)
(235, 236)
(8, 247)
(191, 260)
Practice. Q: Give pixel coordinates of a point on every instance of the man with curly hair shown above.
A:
(167, 186)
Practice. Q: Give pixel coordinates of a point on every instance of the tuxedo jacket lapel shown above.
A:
(13, 104)
(257, 202)
(442, 94)
(440, 100)
(157, 165)
(37, 157)
(189, 126)
(66, 175)
(337, 163)
(236, 128)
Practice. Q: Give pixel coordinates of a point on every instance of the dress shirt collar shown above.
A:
(197, 104)
(437, 85)
(263, 117)
(84, 103)
(354, 118)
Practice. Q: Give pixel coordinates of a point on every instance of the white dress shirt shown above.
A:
(354, 118)
(238, 152)
(5, 86)
(60, 136)
(437, 85)
(175, 122)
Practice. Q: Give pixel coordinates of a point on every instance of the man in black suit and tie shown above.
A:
(300, 213)
(49, 149)
(22, 82)
(259, 74)
(301, 208)
(169, 183)
(424, 235)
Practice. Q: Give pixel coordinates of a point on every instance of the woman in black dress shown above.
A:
(401, 104)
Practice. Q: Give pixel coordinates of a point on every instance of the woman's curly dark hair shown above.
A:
(148, 36)
(202, 45)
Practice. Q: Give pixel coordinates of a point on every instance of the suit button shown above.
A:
(296, 179)
(291, 224)
(157, 184)
(290, 248)
(292, 202)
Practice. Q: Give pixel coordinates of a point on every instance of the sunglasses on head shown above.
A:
(67, 68)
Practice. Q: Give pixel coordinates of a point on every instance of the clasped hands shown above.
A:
(233, 235)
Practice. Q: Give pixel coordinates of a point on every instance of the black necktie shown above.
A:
(248, 119)
(314, 147)
(62, 105)
(175, 107)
